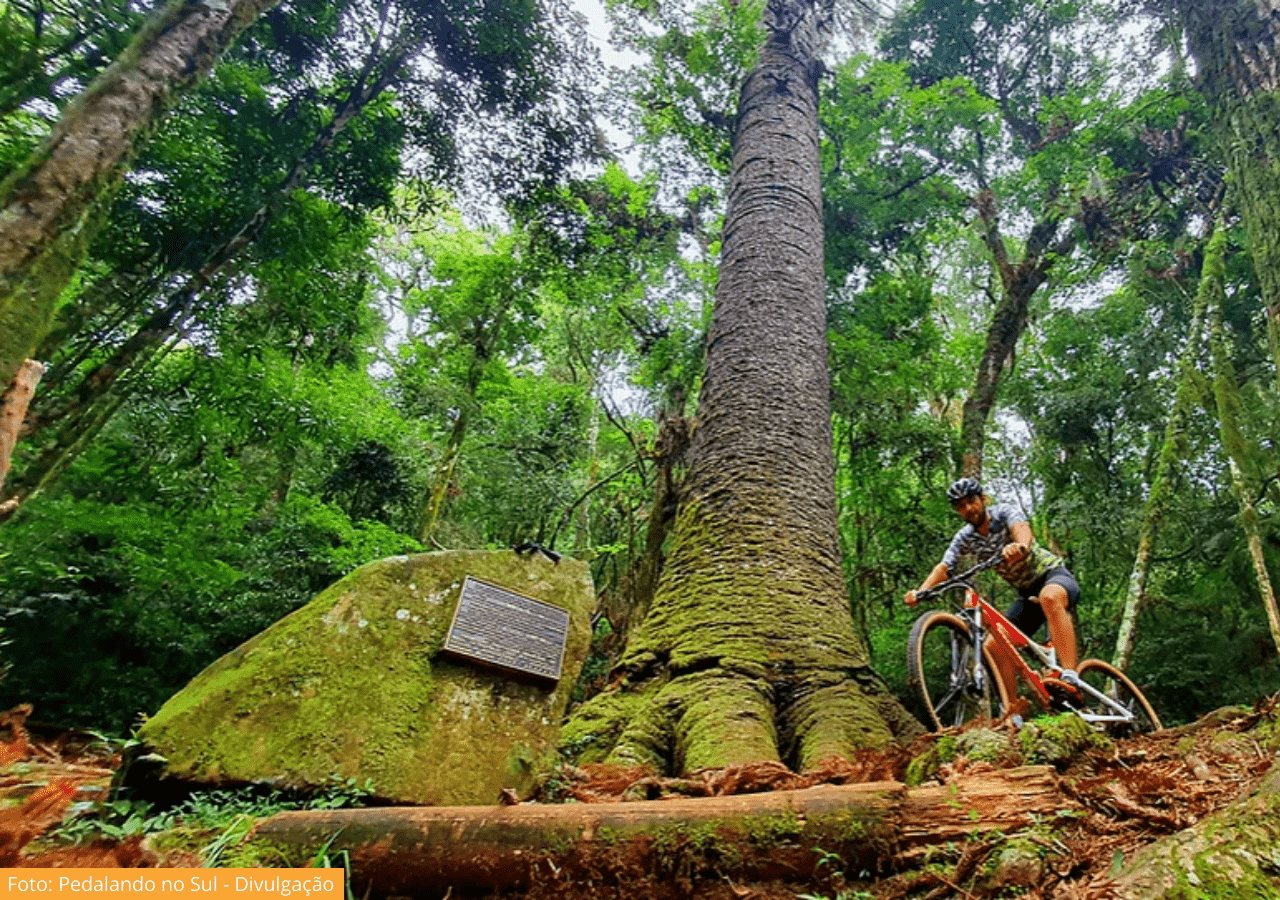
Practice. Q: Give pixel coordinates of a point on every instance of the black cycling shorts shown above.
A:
(1026, 612)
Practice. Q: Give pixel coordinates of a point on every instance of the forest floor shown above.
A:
(1121, 797)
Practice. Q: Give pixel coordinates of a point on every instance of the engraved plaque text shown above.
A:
(500, 628)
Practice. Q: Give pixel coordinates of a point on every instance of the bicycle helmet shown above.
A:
(964, 487)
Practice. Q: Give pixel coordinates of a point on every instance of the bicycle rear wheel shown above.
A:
(1107, 679)
(953, 684)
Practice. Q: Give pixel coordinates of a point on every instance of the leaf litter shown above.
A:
(1128, 794)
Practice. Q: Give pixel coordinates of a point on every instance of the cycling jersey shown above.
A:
(1022, 576)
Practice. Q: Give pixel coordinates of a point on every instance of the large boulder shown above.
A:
(354, 686)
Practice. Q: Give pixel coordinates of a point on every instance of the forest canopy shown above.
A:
(396, 277)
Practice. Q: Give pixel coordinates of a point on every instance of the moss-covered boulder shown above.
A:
(353, 686)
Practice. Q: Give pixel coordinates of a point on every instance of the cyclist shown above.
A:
(1047, 591)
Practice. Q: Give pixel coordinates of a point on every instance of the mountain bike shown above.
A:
(951, 668)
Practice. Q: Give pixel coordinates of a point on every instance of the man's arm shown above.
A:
(939, 574)
(1023, 538)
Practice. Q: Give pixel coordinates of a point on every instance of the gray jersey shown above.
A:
(1020, 575)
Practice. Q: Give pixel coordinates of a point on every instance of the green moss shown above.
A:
(684, 849)
(1056, 739)
(770, 831)
(776, 680)
(351, 685)
(853, 834)
(925, 766)
(984, 744)
(593, 730)
(921, 769)
(1267, 734)
(1234, 854)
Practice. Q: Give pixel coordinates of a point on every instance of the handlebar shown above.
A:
(961, 580)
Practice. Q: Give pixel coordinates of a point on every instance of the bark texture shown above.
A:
(1235, 43)
(748, 652)
(1185, 398)
(431, 852)
(47, 207)
(13, 408)
(1226, 392)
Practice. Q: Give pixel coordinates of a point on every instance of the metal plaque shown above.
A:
(499, 628)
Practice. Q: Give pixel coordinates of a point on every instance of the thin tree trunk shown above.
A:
(1227, 394)
(13, 409)
(582, 519)
(47, 206)
(749, 652)
(1161, 483)
(79, 431)
(444, 473)
(1018, 284)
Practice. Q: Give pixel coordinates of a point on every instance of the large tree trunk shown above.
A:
(485, 850)
(47, 206)
(1235, 43)
(1173, 447)
(749, 652)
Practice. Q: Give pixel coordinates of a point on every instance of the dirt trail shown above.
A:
(968, 834)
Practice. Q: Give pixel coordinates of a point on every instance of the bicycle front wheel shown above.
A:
(1137, 717)
(954, 683)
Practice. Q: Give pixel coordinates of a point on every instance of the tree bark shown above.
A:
(1161, 483)
(1018, 283)
(47, 206)
(13, 408)
(443, 475)
(80, 426)
(1235, 43)
(748, 652)
(431, 852)
(1226, 392)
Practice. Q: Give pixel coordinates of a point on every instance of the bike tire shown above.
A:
(1109, 680)
(942, 675)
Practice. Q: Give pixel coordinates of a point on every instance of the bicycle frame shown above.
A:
(1009, 642)
(1013, 645)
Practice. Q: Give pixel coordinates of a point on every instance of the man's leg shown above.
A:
(1062, 631)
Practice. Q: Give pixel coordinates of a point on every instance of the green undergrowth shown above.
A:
(212, 825)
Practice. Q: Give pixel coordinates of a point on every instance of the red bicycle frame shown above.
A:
(1010, 641)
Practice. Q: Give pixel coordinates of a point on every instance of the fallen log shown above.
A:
(646, 845)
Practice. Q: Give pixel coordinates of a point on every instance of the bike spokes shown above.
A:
(1113, 702)
(953, 681)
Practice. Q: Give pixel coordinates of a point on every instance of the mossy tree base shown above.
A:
(748, 652)
(731, 715)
